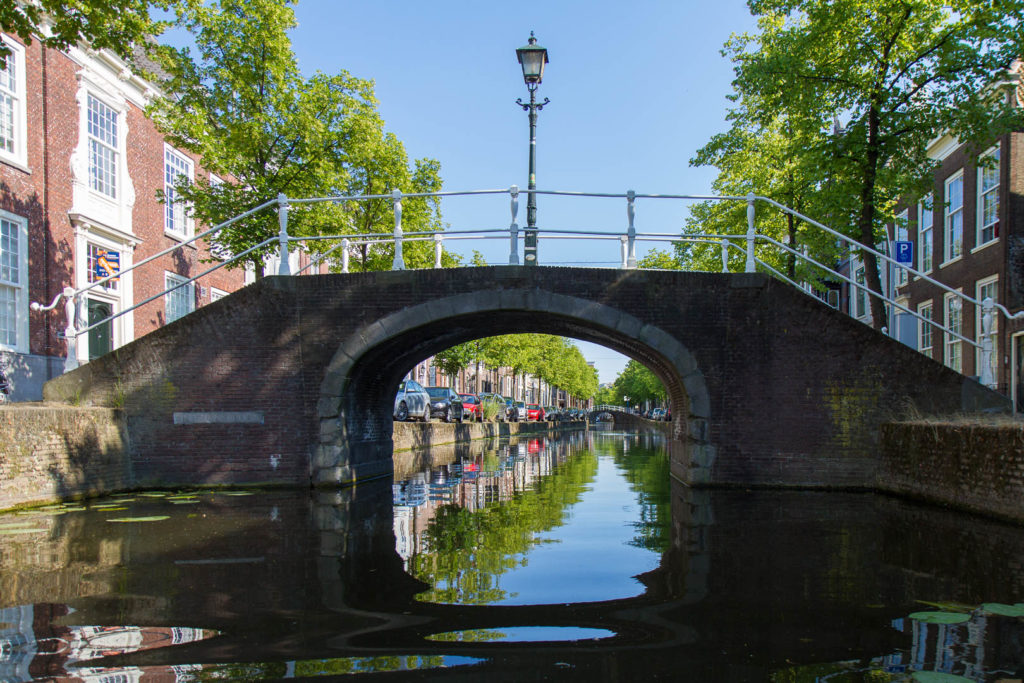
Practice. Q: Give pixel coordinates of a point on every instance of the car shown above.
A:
(551, 414)
(534, 412)
(445, 403)
(411, 401)
(511, 413)
(473, 407)
(521, 415)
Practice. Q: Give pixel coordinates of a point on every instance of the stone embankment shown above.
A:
(409, 435)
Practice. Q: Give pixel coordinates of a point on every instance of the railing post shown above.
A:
(283, 268)
(988, 314)
(750, 233)
(624, 250)
(399, 261)
(725, 254)
(72, 312)
(437, 250)
(513, 230)
(631, 231)
(344, 254)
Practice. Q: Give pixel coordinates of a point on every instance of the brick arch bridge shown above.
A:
(292, 380)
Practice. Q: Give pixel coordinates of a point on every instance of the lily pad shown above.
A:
(237, 493)
(22, 530)
(940, 617)
(154, 494)
(949, 606)
(184, 501)
(938, 677)
(16, 525)
(1004, 610)
(154, 518)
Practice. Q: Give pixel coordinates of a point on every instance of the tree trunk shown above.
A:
(866, 221)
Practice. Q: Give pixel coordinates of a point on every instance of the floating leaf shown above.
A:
(25, 530)
(110, 508)
(154, 518)
(940, 617)
(1004, 610)
(184, 501)
(949, 606)
(155, 494)
(237, 493)
(16, 525)
(938, 677)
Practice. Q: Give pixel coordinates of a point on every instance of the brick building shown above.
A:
(80, 166)
(968, 234)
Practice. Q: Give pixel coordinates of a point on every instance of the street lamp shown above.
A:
(532, 57)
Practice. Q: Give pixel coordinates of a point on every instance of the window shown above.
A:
(100, 263)
(12, 105)
(924, 234)
(924, 333)
(988, 198)
(176, 220)
(954, 325)
(13, 283)
(181, 301)
(101, 126)
(987, 288)
(860, 296)
(217, 294)
(901, 232)
(955, 216)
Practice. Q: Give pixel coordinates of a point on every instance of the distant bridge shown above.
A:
(292, 380)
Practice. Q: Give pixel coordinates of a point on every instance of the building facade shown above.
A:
(80, 168)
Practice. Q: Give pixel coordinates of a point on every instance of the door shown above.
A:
(100, 340)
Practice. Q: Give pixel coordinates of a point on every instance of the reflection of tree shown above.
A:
(470, 550)
(646, 469)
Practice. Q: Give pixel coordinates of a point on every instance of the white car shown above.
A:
(411, 401)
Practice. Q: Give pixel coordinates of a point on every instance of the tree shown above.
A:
(243, 106)
(639, 384)
(116, 25)
(660, 260)
(901, 71)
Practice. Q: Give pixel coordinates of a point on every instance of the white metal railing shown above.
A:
(746, 243)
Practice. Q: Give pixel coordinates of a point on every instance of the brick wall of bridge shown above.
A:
(232, 393)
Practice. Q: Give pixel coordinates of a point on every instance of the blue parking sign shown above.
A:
(904, 251)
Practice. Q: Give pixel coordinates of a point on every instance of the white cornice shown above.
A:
(942, 146)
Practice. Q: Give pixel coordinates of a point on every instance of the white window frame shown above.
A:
(992, 284)
(925, 331)
(216, 294)
(19, 286)
(859, 300)
(18, 156)
(186, 293)
(901, 232)
(93, 140)
(953, 353)
(993, 192)
(926, 234)
(177, 213)
(950, 215)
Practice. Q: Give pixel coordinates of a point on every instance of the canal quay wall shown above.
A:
(53, 452)
(978, 467)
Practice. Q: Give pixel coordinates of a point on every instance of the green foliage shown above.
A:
(242, 105)
(639, 384)
(116, 25)
(901, 73)
(660, 260)
(556, 360)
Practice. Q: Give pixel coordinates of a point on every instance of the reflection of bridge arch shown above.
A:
(361, 375)
(291, 378)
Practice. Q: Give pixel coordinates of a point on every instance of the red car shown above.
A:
(471, 406)
(534, 412)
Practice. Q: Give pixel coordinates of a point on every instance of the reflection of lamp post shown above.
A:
(626, 399)
(532, 57)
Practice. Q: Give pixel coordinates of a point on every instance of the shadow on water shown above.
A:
(743, 585)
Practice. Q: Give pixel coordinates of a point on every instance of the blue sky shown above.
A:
(636, 89)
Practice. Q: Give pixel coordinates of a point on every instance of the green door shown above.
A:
(99, 336)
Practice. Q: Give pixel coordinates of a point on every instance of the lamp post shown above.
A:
(532, 57)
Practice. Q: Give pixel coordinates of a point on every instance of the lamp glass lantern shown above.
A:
(532, 57)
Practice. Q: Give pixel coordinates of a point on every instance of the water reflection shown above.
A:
(709, 585)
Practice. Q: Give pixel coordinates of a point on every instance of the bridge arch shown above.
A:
(357, 391)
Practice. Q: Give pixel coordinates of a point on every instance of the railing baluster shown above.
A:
(437, 250)
(513, 229)
(345, 242)
(283, 268)
(988, 309)
(72, 310)
(750, 233)
(631, 230)
(399, 261)
(624, 251)
(725, 254)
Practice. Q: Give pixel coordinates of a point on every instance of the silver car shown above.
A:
(411, 401)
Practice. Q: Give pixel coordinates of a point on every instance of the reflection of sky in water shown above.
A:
(590, 558)
(526, 634)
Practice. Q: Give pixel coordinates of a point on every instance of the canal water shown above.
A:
(571, 557)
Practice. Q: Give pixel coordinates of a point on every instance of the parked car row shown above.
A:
(659, 414)
(416, 402)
